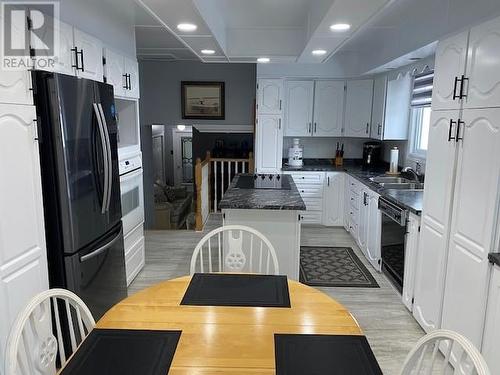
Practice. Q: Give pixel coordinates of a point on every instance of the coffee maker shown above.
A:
(371, 153)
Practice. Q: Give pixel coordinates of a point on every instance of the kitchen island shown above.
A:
(272, 205)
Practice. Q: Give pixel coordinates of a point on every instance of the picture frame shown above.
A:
(203, 100)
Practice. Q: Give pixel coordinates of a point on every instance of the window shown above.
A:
(420, 114)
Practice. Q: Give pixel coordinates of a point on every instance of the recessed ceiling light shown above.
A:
(340, 27)
(319, 52)
(181, 127)
(207, 51)
(263, 59)
(187, 27)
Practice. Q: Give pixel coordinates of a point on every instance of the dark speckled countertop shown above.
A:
(262, 199)
(494, 258)
(410, 199)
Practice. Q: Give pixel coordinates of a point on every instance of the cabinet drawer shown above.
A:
(311, 191)
(313, 204)
(353, 229)
(311, 217)
(134, 260)
(130, 238)
(308, 177)
(353, 216)
(354, 201)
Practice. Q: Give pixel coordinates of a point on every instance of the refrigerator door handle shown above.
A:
(105, 157)
(110, 165)
(101, 249)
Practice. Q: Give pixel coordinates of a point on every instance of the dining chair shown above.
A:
(460, 356)
(234, 248)
(32, 348)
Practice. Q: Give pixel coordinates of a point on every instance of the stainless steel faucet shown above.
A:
(410, 170)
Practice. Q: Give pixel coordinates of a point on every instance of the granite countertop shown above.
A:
(494, 258)
(262, 199)
(410, 199)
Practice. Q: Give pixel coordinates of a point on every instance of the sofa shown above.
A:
(172, 206)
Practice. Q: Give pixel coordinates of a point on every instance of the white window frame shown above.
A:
(415, 153)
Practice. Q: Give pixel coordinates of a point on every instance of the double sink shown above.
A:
(398, 183)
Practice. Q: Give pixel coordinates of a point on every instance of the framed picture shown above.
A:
(202, 100)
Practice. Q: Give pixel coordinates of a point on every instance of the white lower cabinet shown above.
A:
(23, 258)
(333, 199)
(311, 188)
(411, 248)
(374, 231)
(491, 337)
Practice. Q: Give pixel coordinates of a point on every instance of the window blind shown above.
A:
(422, 89)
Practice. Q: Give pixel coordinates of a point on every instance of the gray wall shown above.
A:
(161, 90)
(160, 103)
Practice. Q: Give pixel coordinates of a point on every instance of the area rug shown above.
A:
(333, 267)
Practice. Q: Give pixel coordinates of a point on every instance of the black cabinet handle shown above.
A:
(367, 127)
(462, 95)
(450, 130)
(75, 51)
(328, 180)
(455, 96)
(315, 128)
(126, 81)
(379, 129)
(82, 68)
(457, 136)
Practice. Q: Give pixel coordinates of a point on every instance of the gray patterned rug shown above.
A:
(333, 266)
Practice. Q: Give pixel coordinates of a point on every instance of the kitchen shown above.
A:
(375, 130)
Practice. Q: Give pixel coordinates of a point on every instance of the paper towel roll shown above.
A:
(394, 160)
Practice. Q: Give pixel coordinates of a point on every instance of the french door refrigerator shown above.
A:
(81, 187)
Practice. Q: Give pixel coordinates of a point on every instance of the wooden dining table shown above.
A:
(228, 340)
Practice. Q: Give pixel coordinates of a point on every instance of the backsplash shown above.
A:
(324, 148)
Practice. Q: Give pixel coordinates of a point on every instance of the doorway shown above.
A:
(183, 157)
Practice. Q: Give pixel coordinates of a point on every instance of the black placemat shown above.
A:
(124, 352)
(208, 289)
(324, 354)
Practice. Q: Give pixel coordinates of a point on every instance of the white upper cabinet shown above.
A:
(269, 96)
(89, 56)
(492, 325)
(473, 222)
(23, 262)
(328, 108)
(132, 69)
(66, 57)
(433, 243)
(333, 197)
(483, 61)
(397, 108)
(114, 71)
(449, 67)
(269, 144)
(299, 108)
(378, 111)
(15, 87)
(358, 109)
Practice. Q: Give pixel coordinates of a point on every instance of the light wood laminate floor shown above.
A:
(389, 327)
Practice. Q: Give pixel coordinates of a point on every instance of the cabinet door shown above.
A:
(492, 325)
(451, 55)
(15, 87)
(299, 107)
(269, 144)
(333, 199)
(91, 58)
(132, 69)
(115, 72)
(374, 231)
(397, 109)
(269, 96)
(363, 220)
(328, 108)
(378, 111)
(23, 263)
(482, 66)
(347, 204)
(433, 244)
(411, 248)
(358, 109)
(473, 224)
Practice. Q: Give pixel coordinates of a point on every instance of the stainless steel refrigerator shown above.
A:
(79, 161)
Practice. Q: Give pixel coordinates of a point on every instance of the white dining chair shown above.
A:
(32, 348)
(234, 248)
(459, 357)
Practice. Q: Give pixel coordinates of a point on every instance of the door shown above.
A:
(433, 244)
(269, 96)
(363, 220)
(411, 248)
(482, 66)
(23, 261)
(492, 325)
(269, 144)
(451, 55)
(329, 108)
(374, 231)
(378, 111)
(474, 223)
(299, 108)
(90, 57)
(334, 199)
(158, 158)
(132, 69)
(183, 156)
(358, 108)
(115, 72)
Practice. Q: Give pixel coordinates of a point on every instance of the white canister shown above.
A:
(295, 154)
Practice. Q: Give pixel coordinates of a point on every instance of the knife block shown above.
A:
(339, 161)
